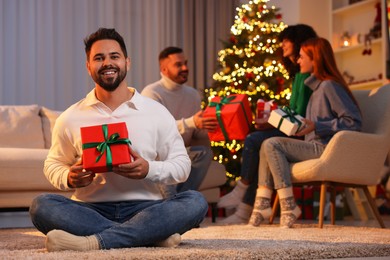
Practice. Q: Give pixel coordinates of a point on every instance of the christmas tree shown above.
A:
(250, 64)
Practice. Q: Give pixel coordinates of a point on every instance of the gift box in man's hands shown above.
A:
(264, 108)
(105, 146)
(234, 117)
(286, 120)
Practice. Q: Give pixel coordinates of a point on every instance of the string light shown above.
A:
(250, 64)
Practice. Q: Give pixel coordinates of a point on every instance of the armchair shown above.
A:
(351, 159)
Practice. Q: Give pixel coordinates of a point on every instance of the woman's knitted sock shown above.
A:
(290, 211)
(233, 198)
(262, 208)
(59, 240)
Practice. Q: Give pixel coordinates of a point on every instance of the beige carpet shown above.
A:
(213, 241)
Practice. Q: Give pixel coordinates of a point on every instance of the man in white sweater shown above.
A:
(122, 207)
(184, 103)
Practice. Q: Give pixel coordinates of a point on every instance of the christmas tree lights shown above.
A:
(250, 64)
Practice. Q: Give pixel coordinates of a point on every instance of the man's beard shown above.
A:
(110, 84)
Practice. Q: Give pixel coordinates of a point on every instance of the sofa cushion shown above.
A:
(21, 127)
(48, 117)
(22, 170)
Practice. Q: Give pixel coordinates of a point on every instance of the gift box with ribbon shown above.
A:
(264, 108)
(234, 117)
(304, 199)
(286, 120)
(105, 146)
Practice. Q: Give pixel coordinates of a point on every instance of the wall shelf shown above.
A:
(368, 71)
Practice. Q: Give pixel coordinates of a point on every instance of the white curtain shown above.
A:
(42, 58)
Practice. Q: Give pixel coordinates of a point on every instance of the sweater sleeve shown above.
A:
(346, 113)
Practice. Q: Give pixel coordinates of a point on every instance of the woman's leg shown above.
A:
(277, 154)
(251, 159)
(245, 190)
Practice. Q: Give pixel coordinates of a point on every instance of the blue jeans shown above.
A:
(120, 224)
(250, 161)
(278, 153)
(201, 157)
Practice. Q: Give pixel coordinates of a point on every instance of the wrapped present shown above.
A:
(304, 199)
(234, 117)
(264, 108)
(286, 120)
(105, 146)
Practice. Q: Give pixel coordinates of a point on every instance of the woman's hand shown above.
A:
(262, 123)
(307, 128)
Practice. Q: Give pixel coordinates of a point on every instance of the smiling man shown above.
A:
(123, 207)
(184, 103)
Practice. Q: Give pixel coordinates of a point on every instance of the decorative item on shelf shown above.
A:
(376, 30)
(367, 45)
(345, 40)
(348, 77)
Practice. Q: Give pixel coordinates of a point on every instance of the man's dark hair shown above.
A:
(297, 34)
(168, 51)
(104, 34)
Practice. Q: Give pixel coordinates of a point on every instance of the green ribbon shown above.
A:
(104, 147)
(290, 114)
(218, 109)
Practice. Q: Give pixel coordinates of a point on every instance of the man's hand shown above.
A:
(207, 123)
(138, 169)
(78, 177)
(309, 127)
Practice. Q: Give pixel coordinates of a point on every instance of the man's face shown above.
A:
(107, 64)
(175, 68)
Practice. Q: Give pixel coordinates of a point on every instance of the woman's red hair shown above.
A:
(320, 52)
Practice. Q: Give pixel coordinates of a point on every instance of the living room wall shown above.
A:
(42, 59)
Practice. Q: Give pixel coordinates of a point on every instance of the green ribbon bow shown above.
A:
(290, 114)
(218, 108)
(104, 147)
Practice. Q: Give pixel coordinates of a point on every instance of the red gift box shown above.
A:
(304, 199)
(105, 146)
(264, 108)
(234, 117)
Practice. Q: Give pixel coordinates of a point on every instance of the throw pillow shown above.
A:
(21, 127)
(48, 117)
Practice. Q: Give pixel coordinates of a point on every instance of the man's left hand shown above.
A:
(137, 169)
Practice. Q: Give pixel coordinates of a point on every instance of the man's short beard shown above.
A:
(110, 87)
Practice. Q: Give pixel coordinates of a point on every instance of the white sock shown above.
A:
(59, 240)
(289, 210)
(232, 199)
(262, 208)
(172, 241)
(241, 216)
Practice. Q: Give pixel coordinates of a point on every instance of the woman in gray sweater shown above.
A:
(331, 108)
